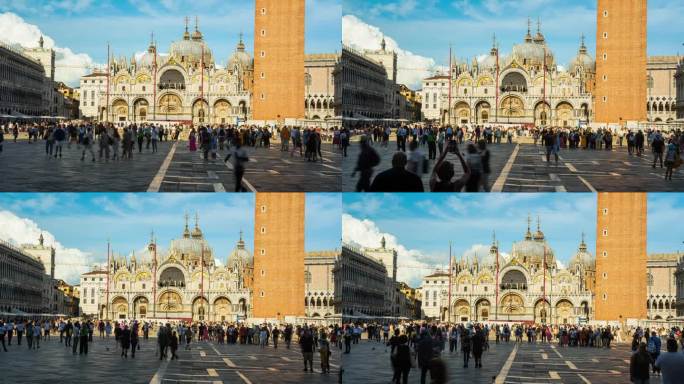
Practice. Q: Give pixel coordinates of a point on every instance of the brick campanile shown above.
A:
(278, 60)
(278, 255)
(620, 291)
(620, 92)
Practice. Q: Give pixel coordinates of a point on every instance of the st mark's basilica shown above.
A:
(532, 286)
(184, 85)
(521, 91)
(181, 283)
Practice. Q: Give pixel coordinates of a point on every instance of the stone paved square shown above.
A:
(522, 167)
(369, 362)
(26, 167)
(205, 362)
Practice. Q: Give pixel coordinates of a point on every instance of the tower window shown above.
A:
(263, 11)
(263, 230)
(263, 96)
(605, 297)
(262, 251)
(263, 273)
(263, 75)
(263, 32)
(605, 211)
(605, 99)
(605, 77)
(605, 13)
(605, 56)
(605, 253)
(263, 209)
(605, 35)
(605, 232)
(262, 294)
(262, 53)
(605, 275)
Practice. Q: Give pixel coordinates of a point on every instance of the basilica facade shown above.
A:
(183, 86)
(525, 87)
(526, 285)
(183, 283)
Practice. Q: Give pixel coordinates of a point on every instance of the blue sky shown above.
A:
(421, 225)
(82, 223)
(85, 26)
(427, 27)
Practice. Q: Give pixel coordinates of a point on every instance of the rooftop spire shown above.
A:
(528, 234)
(186, 231)
(583, 47)
(241, 44)
(528, 37)
(186, 35)
(41, 239)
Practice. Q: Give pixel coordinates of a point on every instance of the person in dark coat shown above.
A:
(134, 339)
(402, 360)
(478, 342)
(368, 158)
(397, 178)
(466, 344)
(639, 366)
(424, 352)
(125, 340)
(173, 343)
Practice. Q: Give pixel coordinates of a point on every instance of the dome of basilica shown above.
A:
(240, 57)
(582, 259)
(583, 60)
(190, 50)
(192, 246)
(533, 50)
(239, 257)
(533, 250)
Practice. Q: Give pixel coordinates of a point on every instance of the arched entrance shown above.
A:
(222, 111)
(482, 310)
(120, 308)
(565, 312)
(512, 107)
(140, 307)
(514, 82)
(172, 277)
(461, 310)
(120, 110)
(514, 279)
(482, 112)
(564, 114)
(200, 110)
(542, 113)
(170, 301)
(170, 105)
(242, 307)
(222, 309)
(541, 311)
(462, 112)
(512, 305)
(140, 108)
(172, 79)
(200, 309)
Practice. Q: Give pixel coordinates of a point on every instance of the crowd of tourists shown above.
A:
(426, 346)
(469, 144)
(124, 336)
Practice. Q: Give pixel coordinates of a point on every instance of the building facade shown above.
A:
(319, 284)
(93, 287)
(679, 278)
(529, 285)
(435, 295)
(319, 82)
(22, 279)
(22, 84)
(435, 96)
(279, 256)
(621, 61)
(360, 284)
(679, 84)
(93, 89)
(661, 283)
(182, 86)
(363, 87)
(621, 256)
(524, 87)
(279, 60)
(661, 105)
(183, 283)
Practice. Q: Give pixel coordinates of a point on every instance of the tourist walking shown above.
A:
(671, 364)
(639, 366)
(306, 342)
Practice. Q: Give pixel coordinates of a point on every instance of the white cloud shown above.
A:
(481, 252)
(412, 265)
(70, 262)
(411, 68)
(70, 66)
(399, 8)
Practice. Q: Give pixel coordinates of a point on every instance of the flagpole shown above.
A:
(450, 77)
(108, 273)
(450, 274)
(496, 307)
